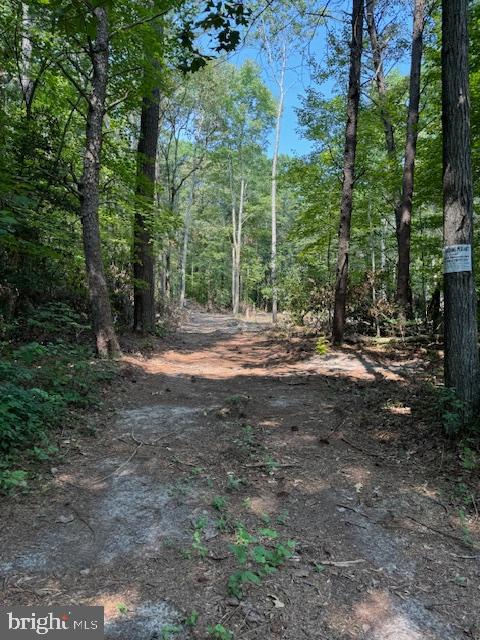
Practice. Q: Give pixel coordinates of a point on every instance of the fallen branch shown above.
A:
(340, 563)
(153, 442)
(360, 513)
(454, 555)
(442, 533)
(354, 446)
(274, 466)
(124, 464)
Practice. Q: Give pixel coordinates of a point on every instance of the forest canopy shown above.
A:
(142, 164)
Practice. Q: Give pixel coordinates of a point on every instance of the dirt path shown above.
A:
(230, 435)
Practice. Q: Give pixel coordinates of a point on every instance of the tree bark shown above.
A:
(461, 346)
(278, 124)
(143, 259)
(380, 79)
(186, 234)
(237, 222)
(404, 211)
(353, 101)
(26, 82)
(106, 340)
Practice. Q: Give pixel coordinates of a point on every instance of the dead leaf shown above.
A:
(65, 519)
(277, 603)
(301, 573)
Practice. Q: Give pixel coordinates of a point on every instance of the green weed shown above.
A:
(322, 345)
(218, 632)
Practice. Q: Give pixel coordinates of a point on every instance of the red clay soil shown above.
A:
(231, 433)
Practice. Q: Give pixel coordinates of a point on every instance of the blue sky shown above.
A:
(298, 78)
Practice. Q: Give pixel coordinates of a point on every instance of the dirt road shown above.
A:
(231, 435)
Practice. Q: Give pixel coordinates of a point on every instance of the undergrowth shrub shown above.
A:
(41, 385)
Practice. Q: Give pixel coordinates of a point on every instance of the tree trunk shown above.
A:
(186, 233)
(143, 259)
(461, 347)
(26, 82)
(374, 272)
(404, 211)
(433, 311)
(106, 340)
(238, 249)
(167, 274)
(278, 123)
(380, 79)
(353, 101)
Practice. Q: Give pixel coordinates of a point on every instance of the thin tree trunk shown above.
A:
(374, 271)
(143, 259)
(278, 124)
(186, 233)
(238, 249)
(380, 79)
(167, 276)
(404, 211)
(461, 347)
(26, 82)
(106, 340)
(383, 257)
(353, 101)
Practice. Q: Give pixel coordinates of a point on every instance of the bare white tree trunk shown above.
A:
(237, 222)
(186, 233)
(26, 82)
(278, 124)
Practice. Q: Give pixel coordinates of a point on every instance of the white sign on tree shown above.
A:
(456, 258)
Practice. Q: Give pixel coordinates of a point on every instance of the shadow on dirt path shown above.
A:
(232, 435)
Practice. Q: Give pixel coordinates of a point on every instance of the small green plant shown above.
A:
(247, 441)
(238, 579)
(192, 619)
(180, 488)
(322, 345)
(219, 503)
(266, 532)
(122, 608)
(10, 480)
(469, 458)
(234, 483)
(218, 632)
(186, 553)
(451, 411)
(197, 544)
(236, 399)
(247, 503)
(256, 560)
(168, 631)
(44, 453)
(282, 517)
(224, 523)
(318, 567)
(196, 471)
(466, 535)
(271, 465)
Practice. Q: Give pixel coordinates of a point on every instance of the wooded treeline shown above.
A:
(140, 166)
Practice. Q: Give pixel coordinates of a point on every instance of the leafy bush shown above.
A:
(39, 385)
(25, 414)
(54, 319)
(451, 411)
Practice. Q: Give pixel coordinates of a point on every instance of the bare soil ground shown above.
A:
(230, 428)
